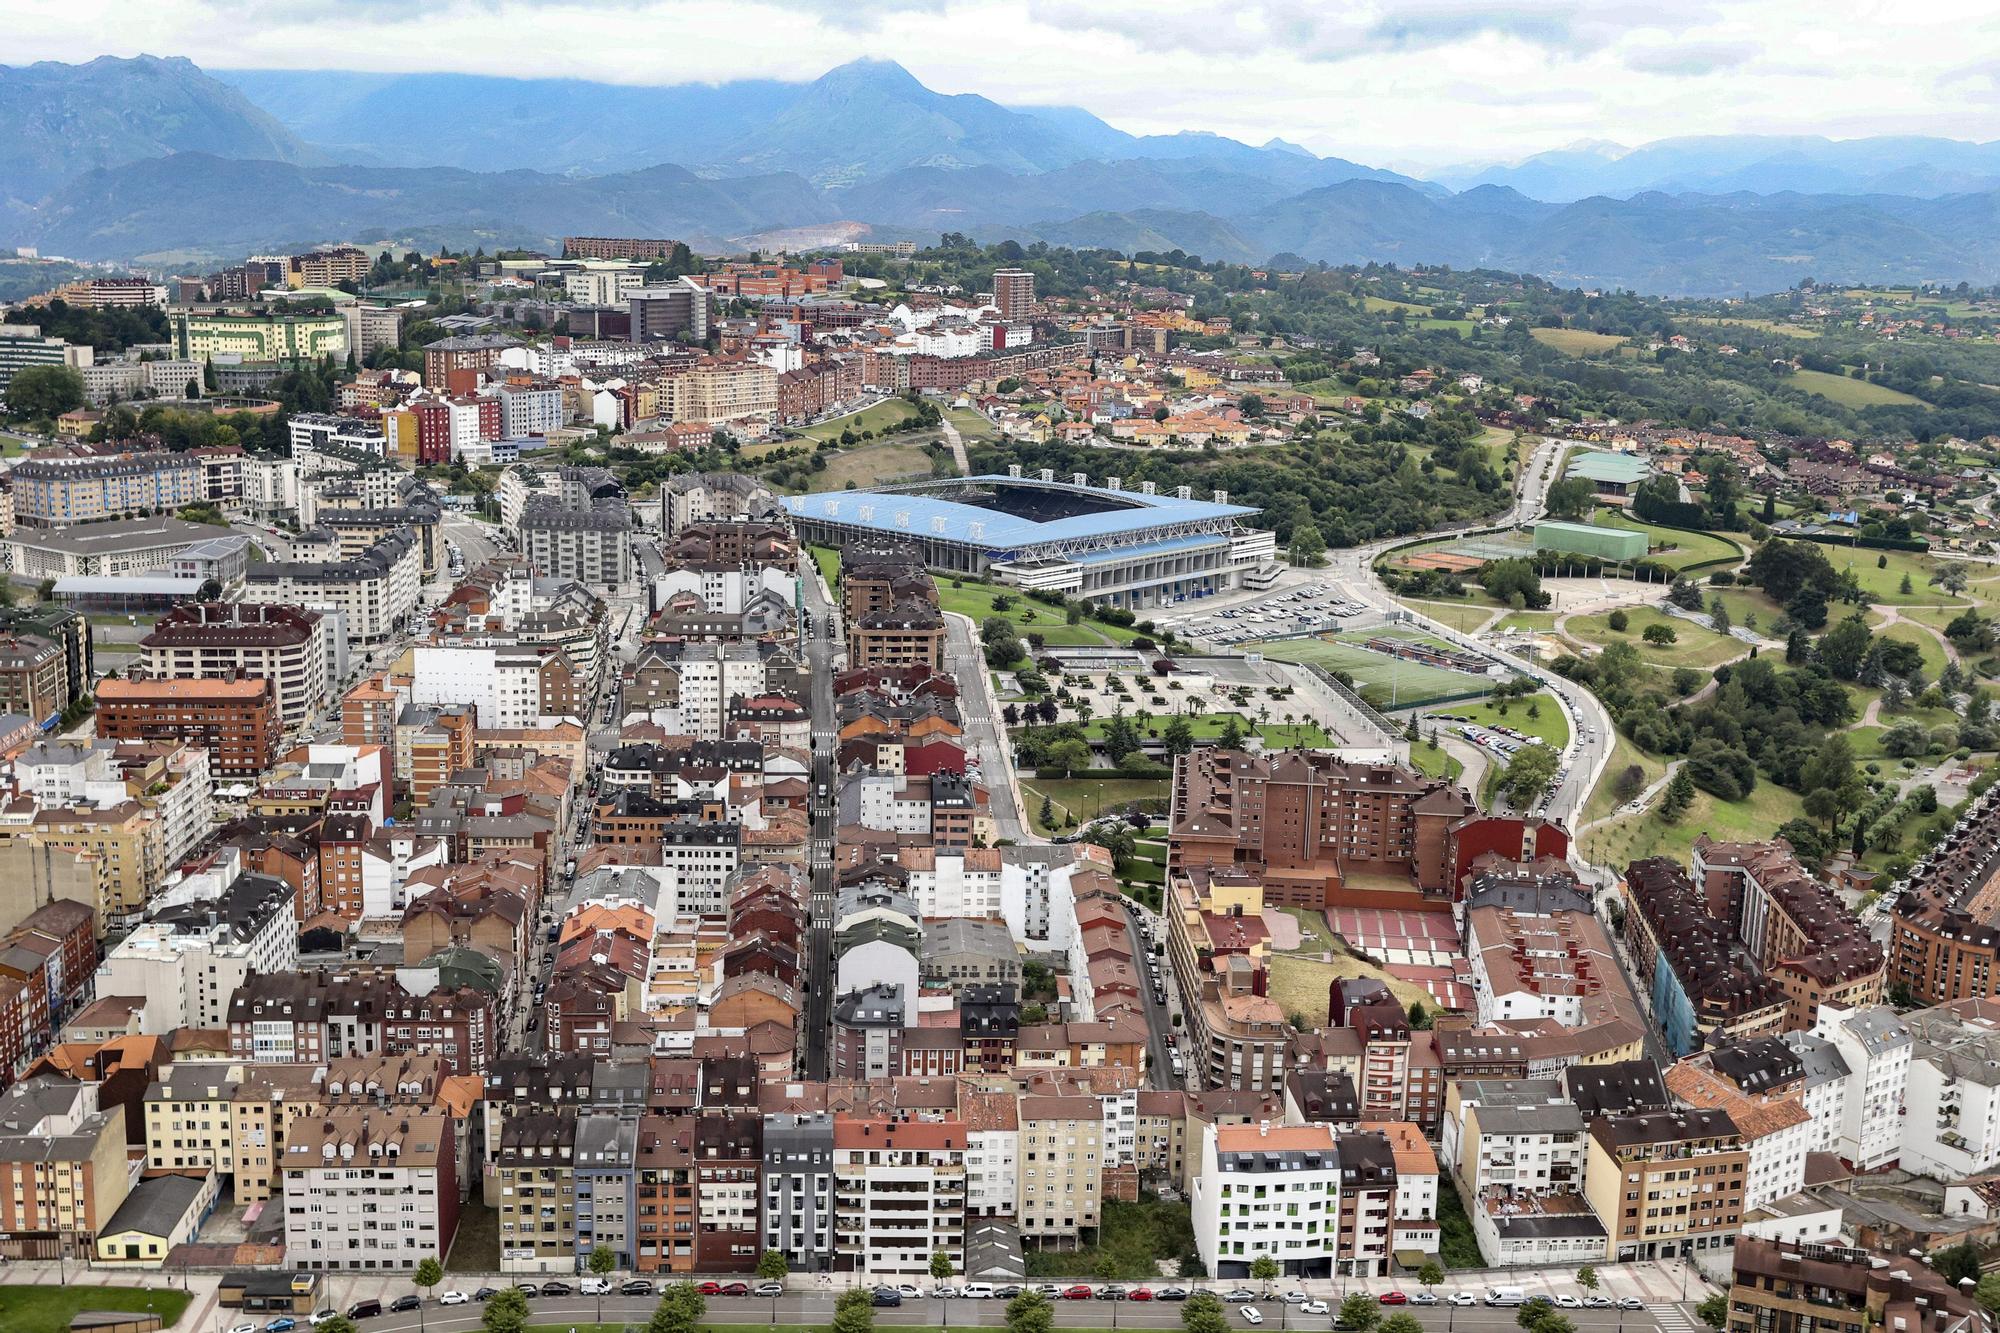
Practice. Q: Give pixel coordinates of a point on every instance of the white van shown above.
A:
(594, 1286)
(977, 1290)
(1505, 1296)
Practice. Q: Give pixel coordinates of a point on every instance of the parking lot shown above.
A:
(1278, 615)
(1503, 743)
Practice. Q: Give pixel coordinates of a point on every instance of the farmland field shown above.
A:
(1576, 342)
(1852, 393)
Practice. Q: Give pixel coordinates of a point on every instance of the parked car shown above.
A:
(639, 1286)
(1569, 1302)
(404, 1303)
(1080, 1292)
(1598, 1303)
(1007, 1293)
(1461, 1298)
(736, 1289)
(1142, 1293)
(908, 1291)
(1251, 1314)
(886, 1298)
(1240, 1294)
(594, 1286)
(453, 1298)
(1293, 1297)
(1171, 1294)
(710, 1289)
(557, 1289)
(244, 1328)
(367, 1309)
(318, 1317)
(282, 1324)
(1112, 1293)
(1424, 1298)
(1313, 1307)
(485, 1293)
(1393, 1298)
(1050, 1291)
(761, 1289)
(1630, 1303)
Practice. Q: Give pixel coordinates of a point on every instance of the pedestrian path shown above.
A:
(1671, 1317)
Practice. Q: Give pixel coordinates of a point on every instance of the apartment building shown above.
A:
(454, 365)
(1061, 1167)
(1802, 936)
(616, 247)
(250, 336)
(1219, 949)
(236, 721)
(899, 1193)
(798, 1189)
(535, 1170)
(1014, 293)
(1744, 1082)
(31, 676)
(1268, 1190)
(1666, 1182)
(1875, 1047)
(63, 1171)
(375, 591)
(370, 1190)
(579, 529)
(1951, 1097)
(910, 633)
(290, 647)
(1794, 1287)
(58, 491)
(1945, 927)
(1701, 982)
(992, 1151)
(126, 841)
(192, 953)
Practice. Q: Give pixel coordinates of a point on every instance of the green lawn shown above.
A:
(1938, 617)
(1465, 615)
(1300, 985)
(1207, 726)
(1624, 755)
(1550, 724)
(49, 1309)
(1686, 548)
(874, 417)
(1852, 393)
(971, 426)
(1382, 305)
(1029, 615)
(1435, 763)
(1086, 798)
(1576, 342)
(1885, 583)
(828, 560)
(1538, 621)
(1634, 837)
(1693, 646)
(1382, 680)
(1927, 644)
(1744, 603)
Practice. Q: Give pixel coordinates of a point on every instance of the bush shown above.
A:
(1619, 622)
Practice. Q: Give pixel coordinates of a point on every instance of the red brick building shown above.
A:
(236, 721)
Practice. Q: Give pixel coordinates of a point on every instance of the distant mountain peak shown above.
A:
(1277, 145)
(882, 76)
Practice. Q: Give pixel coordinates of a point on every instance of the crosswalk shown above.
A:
(1670, 1317)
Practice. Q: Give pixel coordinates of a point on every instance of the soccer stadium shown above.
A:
(1123, 548)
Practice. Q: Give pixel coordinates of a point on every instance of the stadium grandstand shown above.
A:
(1133, 549)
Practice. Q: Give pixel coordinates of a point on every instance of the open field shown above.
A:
(1852, 393)
(1299, 985)
(1086, 798)
(1885, 584)
(971, 426)
(1380, 679)
(1381, 305)
(1029, 616)
(1624, 755)
(828, 560)
(874, 417)
(1744, 603)
(1576, 342)
(1927, 644)
(1435, 763)
(1464, 616)
(1693, 646)
(1761, 325)
(1549, 724)
(1634, 837)
(1538, 621)
(873, 464)
(1689, 548)
(39, 1309)
(1276, 733)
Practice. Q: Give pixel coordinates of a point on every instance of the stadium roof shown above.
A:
(952, 520)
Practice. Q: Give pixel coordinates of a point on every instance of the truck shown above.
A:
(1505, 1296)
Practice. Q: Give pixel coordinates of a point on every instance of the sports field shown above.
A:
(1385, 681)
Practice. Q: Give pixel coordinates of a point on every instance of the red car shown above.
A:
(1142, 1293)
(1080, 1292)
(1392, 1298)
(735, 1289)
(710, 1289)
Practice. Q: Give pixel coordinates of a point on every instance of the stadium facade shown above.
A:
(1126, 548)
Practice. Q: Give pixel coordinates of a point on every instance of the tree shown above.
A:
(44, 391)
(681, 1309)
(1685, 593)
(1203, 1314)
(1308, 546)
(429, 1273)
(1511, 579)
(1179, 736)
(1572, 497)
(1957, 1262)
(1401, 1322)
(1534, 1311)
(1264, 1268)
(600, 1263)
(339, 1323)
(772, 1267)
(1431, 1273)
(940, 1265)
(1631, 780)
(1660, 633)
(1842, 648)
(853, 1312)
(1359, 1313)
(1420, 1017)
(1586, 1277)
(1714, 1311)
(1679, 795)
(1046, 816)
(1232, 733)
(1718, 615)
(1618, 621)
(1528, 774)
(1030, 1312)
(1987, 1293)
(507, 1312)
(1067, 755)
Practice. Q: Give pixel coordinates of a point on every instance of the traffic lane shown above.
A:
(805, 1306)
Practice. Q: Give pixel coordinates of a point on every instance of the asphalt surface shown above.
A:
(820, 651)
(964, 661)
(817, 1308)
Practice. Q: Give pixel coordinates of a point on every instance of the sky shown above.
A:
(1400, 83)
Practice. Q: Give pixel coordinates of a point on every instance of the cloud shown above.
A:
(1372, 80)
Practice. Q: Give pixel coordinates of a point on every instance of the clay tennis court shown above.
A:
(1444, 560)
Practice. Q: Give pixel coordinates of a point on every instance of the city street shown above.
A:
(822, 647)
(964, 661)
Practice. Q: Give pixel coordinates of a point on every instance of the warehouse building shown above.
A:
(1620, 544)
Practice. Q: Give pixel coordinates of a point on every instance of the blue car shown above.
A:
(285, 1324)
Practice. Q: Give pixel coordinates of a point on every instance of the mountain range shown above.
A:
(130, 159)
